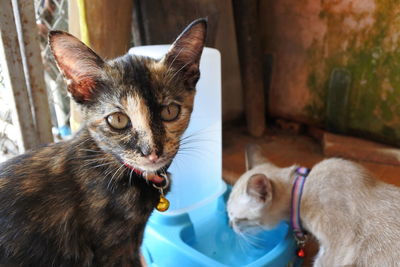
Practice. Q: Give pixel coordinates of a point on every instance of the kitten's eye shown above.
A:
(118, 120)
(170, 112)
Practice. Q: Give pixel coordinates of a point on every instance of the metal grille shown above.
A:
(8, 146)
(1, 79)
(50, 15)
(53, 15)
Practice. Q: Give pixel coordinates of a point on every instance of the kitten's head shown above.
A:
(134, 107)
(261, 196)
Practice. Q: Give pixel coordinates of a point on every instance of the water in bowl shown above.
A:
(214, 238)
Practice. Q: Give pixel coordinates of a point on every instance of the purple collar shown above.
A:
(297, 190)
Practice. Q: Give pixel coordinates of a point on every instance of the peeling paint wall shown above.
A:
(336, 64)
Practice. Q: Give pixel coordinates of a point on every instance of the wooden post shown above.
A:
(160, 22)
(250, 56)
(34, 71)
(174, 15)
(109, 24)
(15, 79)
(74, 29)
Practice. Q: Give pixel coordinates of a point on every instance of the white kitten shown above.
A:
(355, 217)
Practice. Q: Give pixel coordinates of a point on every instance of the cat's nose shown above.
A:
(149, 153)
(145, 150)
(153, 157)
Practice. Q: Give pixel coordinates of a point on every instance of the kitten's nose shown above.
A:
(153, 157)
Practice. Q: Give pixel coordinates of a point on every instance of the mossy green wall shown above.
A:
(370, 53)
(352, 62)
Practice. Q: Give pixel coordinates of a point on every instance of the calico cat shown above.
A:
(354, 216)
(85, 202)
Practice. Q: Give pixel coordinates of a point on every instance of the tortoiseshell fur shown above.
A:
(74, 203)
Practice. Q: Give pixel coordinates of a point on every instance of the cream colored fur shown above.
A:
(355, 217)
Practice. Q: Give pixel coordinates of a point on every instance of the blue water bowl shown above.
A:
(195, 230)
(203, 238)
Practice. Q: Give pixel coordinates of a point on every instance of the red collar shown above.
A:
(159, 181)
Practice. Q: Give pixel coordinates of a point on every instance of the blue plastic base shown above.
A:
(65, 130)
(204, 238)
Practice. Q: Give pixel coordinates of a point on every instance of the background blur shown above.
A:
(311, 66)
(304, 79)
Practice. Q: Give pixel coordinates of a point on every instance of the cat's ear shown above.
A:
(185, 53)
(254, 156)
(81, 67)
(259, 187)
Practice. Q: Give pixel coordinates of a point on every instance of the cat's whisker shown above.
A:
(173, 76)
(262, 227)
(91, 154)
(242, 243)
(195, 141)
(89, 158)
(254, 238)
(86, 158)
(91, 150)
(83, 166)
(194, 147)
(190, 155)
(101, 165)
(130, 177)
(177, 163)
(173, 60)
(108, 186)
(92, 161)
(195, 134)
(248, 240)
(87, 162)
(83, 142)
(108, 171)
(196, 138)
(201, 132)
(122, 170)
(192, 151)
(186, 141)
(199, 145)
(126, 138)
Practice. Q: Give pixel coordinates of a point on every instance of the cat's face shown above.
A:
(260, 198)
(136, 108)
(244, 208)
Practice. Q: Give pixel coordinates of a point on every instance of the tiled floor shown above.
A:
(285, 149)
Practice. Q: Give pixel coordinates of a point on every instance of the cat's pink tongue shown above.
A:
(155, 178)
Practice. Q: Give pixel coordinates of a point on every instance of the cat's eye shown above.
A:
(118, 120)
(170, 112)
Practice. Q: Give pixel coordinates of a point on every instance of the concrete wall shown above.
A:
(336, 64)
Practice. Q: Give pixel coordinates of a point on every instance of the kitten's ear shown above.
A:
(81, 67)
(254, 156)
(259, 187)
(184, 54)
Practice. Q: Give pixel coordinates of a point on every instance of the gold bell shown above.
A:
(163, 204)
